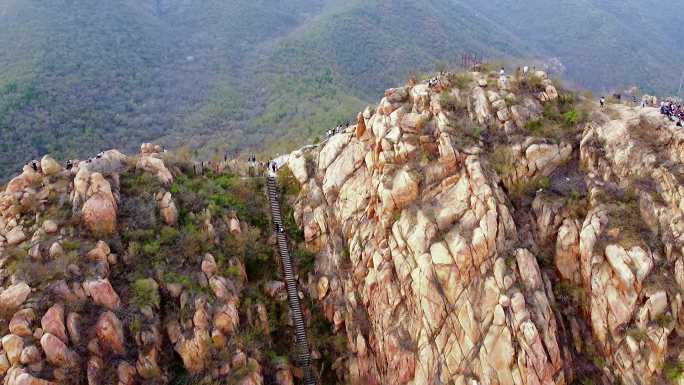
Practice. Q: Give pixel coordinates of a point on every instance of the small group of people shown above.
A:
(69, 164)
(434, 81)
(98, 156)
(334, 131)
(673, 110)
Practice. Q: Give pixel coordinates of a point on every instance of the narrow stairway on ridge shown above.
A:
(302, 344)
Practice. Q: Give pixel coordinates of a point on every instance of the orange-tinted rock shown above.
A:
(102, 293)
(57, 353)
(53, 322)
(21, 322)
(110, 332)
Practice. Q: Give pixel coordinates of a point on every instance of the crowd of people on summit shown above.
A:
(673, 111)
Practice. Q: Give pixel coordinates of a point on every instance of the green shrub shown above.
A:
(533, 83)
(534, 127)
(70, 245)
(144, 292)
(673, 371)
(306, 261)
(17, 253)
(502, 160)
(664, 320)
(570, 118)
(545, 260)
(139, 234)
(462, 80)
(448, 101)
(183, 280)
(151, 248)
(134, 249)
(638, 334)
(193, 241)
(551, 112)
(168, 235)
(544, 182)
(568, 292)
(288, 183)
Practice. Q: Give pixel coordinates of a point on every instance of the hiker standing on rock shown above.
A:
(602, 101)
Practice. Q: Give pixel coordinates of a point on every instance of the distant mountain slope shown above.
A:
(224, 75)
(601, 43)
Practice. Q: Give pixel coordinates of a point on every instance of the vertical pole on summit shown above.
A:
(681, 81)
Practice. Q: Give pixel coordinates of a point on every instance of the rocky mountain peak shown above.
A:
(476, 228)
(487, 229)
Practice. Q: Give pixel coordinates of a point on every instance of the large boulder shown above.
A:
(13, 346)
(167, 208)
(102, 293)
(297, 164)
(99, 211)
(53, 322)
(195, 351)
(21, 182)
(110, 332)
(49, 166)
(111, 162)
(73, 325)
(14, 296)
(155, 166)
(28, 379)
(15, 236)
(21, 322)
(481, 110)
(56, 351)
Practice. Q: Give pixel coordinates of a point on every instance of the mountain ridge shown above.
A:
(222, 76)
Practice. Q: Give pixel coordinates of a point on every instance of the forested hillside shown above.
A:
(224, 75)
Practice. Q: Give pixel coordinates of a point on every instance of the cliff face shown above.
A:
(482, 231)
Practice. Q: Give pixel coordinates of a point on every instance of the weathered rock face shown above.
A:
(627, 256)
(49, 166)
(153, 164)
(430, 266)
(99, 210)
(534, 158)
(167, 208)
(414, 254)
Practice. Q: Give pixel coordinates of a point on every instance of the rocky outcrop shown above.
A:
(432, 264)
(150, 161)
(532, 159)
(99, 207)
(428, 295)
(49, 166)
(167, 208)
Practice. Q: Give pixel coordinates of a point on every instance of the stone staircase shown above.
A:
(288, 271)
